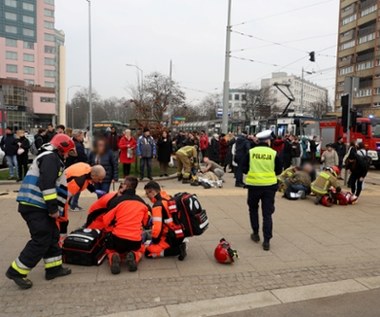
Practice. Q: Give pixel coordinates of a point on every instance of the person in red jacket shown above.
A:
(125, 223)
(203, 143)
(127, 147)
(164, 242)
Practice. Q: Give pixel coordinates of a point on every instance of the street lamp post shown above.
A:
(90, 67)
(67, 102)
(302, 86)
(226, 88)
(141, 82)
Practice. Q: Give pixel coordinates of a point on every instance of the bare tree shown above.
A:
(319, 108)
(258, 104)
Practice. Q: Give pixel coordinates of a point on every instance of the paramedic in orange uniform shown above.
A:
(164, 242)
(79, 176)
(125, 222)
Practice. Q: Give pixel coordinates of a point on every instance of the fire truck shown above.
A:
(366, 130)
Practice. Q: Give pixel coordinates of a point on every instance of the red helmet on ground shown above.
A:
(63, 143)
(223, 253)
(336, 170)
(326, 201)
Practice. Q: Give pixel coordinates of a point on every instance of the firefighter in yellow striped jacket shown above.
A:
(42, 198)
(186, 160)
(326, 180)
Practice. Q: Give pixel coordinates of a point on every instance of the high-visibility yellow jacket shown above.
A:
(261, 167)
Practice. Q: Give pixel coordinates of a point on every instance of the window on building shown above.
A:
(49, 13)
(11, 68)
(49, 61)
(28, 32)
(369, 10)
(367, 38)
(29, 81)
(49, 84)
(237, 97)
(29, 45)
(47, 99)
(11, 55)
(28, 19)
(49, 49)
(49, 37)
(346, 70)
(10, 42)
(28, 6)
(347, 45)
(49, 25)
(28, 70)
(51, 2)
(28, 58)
(11, 16)
(11, 3)
(11, 29)
(49, 73)
(349, 19)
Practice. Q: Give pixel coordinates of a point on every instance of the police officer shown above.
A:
(42, 197)
(261, 166)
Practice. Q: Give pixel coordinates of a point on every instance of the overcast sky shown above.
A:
(192, 33)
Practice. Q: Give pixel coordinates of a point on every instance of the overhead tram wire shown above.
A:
(284, 12)
(275, 43)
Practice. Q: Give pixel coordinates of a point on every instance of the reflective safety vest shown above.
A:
(322, 184)
(31, 194)
(261, 167)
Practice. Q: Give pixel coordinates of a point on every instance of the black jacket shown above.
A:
(49, 135)
(213, 150)
(109, 161)
(164, 150)
(242, 147)
(38, 141)
(81, 154)
(23, 158)
(9, 144)
(340, 149)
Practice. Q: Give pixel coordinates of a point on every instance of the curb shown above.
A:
(220, 306)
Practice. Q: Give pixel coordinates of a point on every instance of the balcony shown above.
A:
(365, 46)
(362, 100)
(367, 18)
(346, 3)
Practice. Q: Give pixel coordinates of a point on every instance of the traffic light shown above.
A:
(344, 101)
(312, 56)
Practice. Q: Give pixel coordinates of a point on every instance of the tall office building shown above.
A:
(358, 53)
(31, 51)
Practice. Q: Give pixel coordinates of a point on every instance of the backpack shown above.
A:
(33, 149)
(364, 161)
(186, 217)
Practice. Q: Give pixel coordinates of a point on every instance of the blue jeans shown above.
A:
(12, 165)
(103, 186)
(74, 201)
(148, 162)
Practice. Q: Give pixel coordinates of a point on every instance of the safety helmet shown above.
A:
(333, 170)
(223, 253)
(326, 201)
(336, 170)
(63, 144)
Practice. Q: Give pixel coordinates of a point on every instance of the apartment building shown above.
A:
(32, 52)
(358, 53)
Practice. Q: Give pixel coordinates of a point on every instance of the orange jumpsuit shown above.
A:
(78, 178)
(163, 241)
(125, 222)
(100, 205)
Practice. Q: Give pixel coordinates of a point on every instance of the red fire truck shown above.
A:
(366, 130)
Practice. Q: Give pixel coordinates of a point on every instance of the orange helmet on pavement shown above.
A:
(63, 144)
(326, 201)
(223, 253)
(336, 170)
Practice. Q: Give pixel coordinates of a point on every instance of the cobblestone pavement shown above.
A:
(312, 244)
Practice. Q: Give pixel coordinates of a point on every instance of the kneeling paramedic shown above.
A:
(261, 166)
(164, 239)
(42, 197)
(125, 222)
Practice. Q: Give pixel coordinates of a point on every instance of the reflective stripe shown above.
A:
(19, 269)
(169, 220)
(32, 197)
(53, 259)
(202, 225)
(178, 231)
(50, 197)
(53, 264)
(49, 191)
(21, 265)
(157, 219)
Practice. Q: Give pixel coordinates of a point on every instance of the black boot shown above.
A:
(182, 251)
(21, 280)
(51, 274)
(179, 177)
(131, 262)
(115, 263)
(255, 237)
(266, 245)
